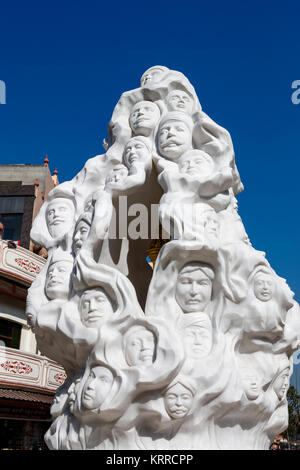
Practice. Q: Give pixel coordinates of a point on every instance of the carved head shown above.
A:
(97, 387)
(60, 216)
(251, 383)
(152, 75)
(210, 222)
(137, 151)
(264, 285)
(58, 278)
(178, 398)
(144, 117)
(139, 346)
(281, 383)
(194, 287)
(174, 135)
(118, 173)
(196, 163)
(179, 100)
(82, 230)
(94, 306)
(197, 339)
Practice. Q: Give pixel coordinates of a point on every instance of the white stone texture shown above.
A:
(197, 354)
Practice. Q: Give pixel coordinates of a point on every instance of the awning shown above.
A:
(24, 395)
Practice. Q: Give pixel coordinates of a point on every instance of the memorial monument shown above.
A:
(194, 355)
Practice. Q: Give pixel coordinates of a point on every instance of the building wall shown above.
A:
(13, 309)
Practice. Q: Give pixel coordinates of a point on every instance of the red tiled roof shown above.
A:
(26, 396)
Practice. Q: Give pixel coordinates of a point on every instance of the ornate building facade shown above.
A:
(28, 380)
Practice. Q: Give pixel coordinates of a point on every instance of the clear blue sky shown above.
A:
(66, 63)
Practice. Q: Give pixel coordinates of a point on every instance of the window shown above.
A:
(11, 214)
(10, 334)
(12, 226)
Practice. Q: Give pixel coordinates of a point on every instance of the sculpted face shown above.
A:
(58, 280)
(196, 163)
(174, 138)
(139, 346)
(281, 384)
(144, 117)
(94, 307)
(72, 394)
(251, 383)
(211, 223)
(264, 286)
(117, 174)
(197, 341)
(193, 290)
(60, 217)
(135, 152)
(178, 401)
(97, 387)
(178, 100)
(81, 234)
(152, 75)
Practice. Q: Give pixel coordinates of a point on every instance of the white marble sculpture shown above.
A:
(197, 354)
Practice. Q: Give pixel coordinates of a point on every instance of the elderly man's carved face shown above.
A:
(94, 307)
(58, 280)
(251, 383)
(97, 387)
(139, 346)
(281, 383)
(193, 290)
(174, 138)
(135, 152)
(178, 401)
(178, 100)
(60, 216)
(144, 117)
(264, 286)
(81, 234)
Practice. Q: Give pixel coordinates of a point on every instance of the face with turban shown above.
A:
(179, 397)
(194, 287)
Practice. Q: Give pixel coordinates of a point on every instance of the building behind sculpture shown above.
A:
(27, 379)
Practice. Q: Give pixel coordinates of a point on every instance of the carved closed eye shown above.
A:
(185, 397)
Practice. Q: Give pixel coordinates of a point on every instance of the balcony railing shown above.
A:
(30, 371)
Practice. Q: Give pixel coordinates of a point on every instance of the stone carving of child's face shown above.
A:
(58, 280)
(174, 138)
(251, 383)
(94, 307)
(178, 401)
(281, 383)
(179, 100)
(60, 216)
(193, 289)
(264, 286)
(81, 234)
(139, 346)
(97, 387)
